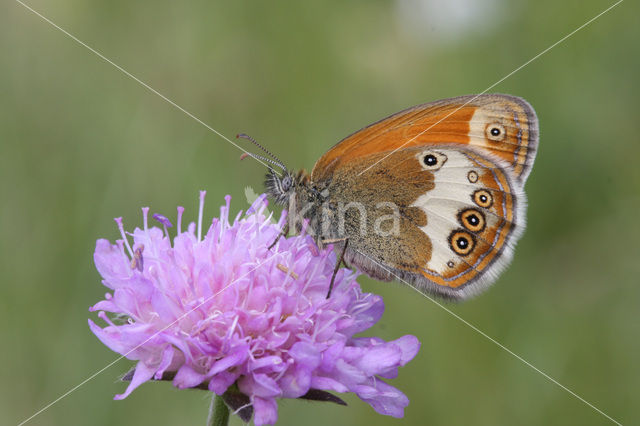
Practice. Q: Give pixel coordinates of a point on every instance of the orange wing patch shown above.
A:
(501, 125)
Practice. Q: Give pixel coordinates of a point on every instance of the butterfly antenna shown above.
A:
(255, 142)
(265, 159)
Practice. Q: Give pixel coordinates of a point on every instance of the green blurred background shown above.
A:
(81, 143)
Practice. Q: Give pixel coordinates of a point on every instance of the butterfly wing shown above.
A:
(503, 125)
(476, 214)
(457, 221)
(457, 217)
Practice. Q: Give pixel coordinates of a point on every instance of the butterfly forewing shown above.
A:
(506, 126)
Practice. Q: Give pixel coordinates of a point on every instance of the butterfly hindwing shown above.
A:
(459, 213)
(475, 214)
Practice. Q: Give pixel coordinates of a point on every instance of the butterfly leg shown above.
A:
(285, 231)
(338, 263)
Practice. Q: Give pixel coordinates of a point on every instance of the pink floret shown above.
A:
(221, 310)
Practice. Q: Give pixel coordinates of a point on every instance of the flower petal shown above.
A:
(305, 354)
(187, 377)
(112, 264)
(266, 411)
(384, 399)
(260, 385)
(221, 382)
(142, 374)
(378, 359)
(296, 383)
(409, 346)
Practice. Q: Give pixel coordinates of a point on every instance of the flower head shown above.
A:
(224, 309)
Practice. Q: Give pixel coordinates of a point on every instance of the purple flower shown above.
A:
(223, 309)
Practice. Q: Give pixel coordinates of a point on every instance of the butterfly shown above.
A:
(432, 195)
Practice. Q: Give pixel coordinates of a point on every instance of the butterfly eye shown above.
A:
(286, 183)
(472, 219)
(461, 242)
(432, 160)
(482, 198)
(495, 132)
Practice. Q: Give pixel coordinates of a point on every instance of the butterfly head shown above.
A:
(281, 186)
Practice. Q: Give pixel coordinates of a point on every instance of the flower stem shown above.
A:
(218, 412)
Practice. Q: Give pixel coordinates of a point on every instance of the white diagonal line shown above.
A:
(500, 345)
(142, 83)
(76, 387)
(237, 146)
(497, 82)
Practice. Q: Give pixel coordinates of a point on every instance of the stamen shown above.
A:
(333, 240)
(145, 213)
(313, 249)
(124, 257)
(305, 225)
(200, 211)
(242, 407)
(138, 261)
(287, 271)
(164, 221)
(102, 315)
(283, 219)
(258, 205)
(124, 236)
(180, 211)
(233, 327)
(224, 216)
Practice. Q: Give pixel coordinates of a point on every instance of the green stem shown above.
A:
(218, 412)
